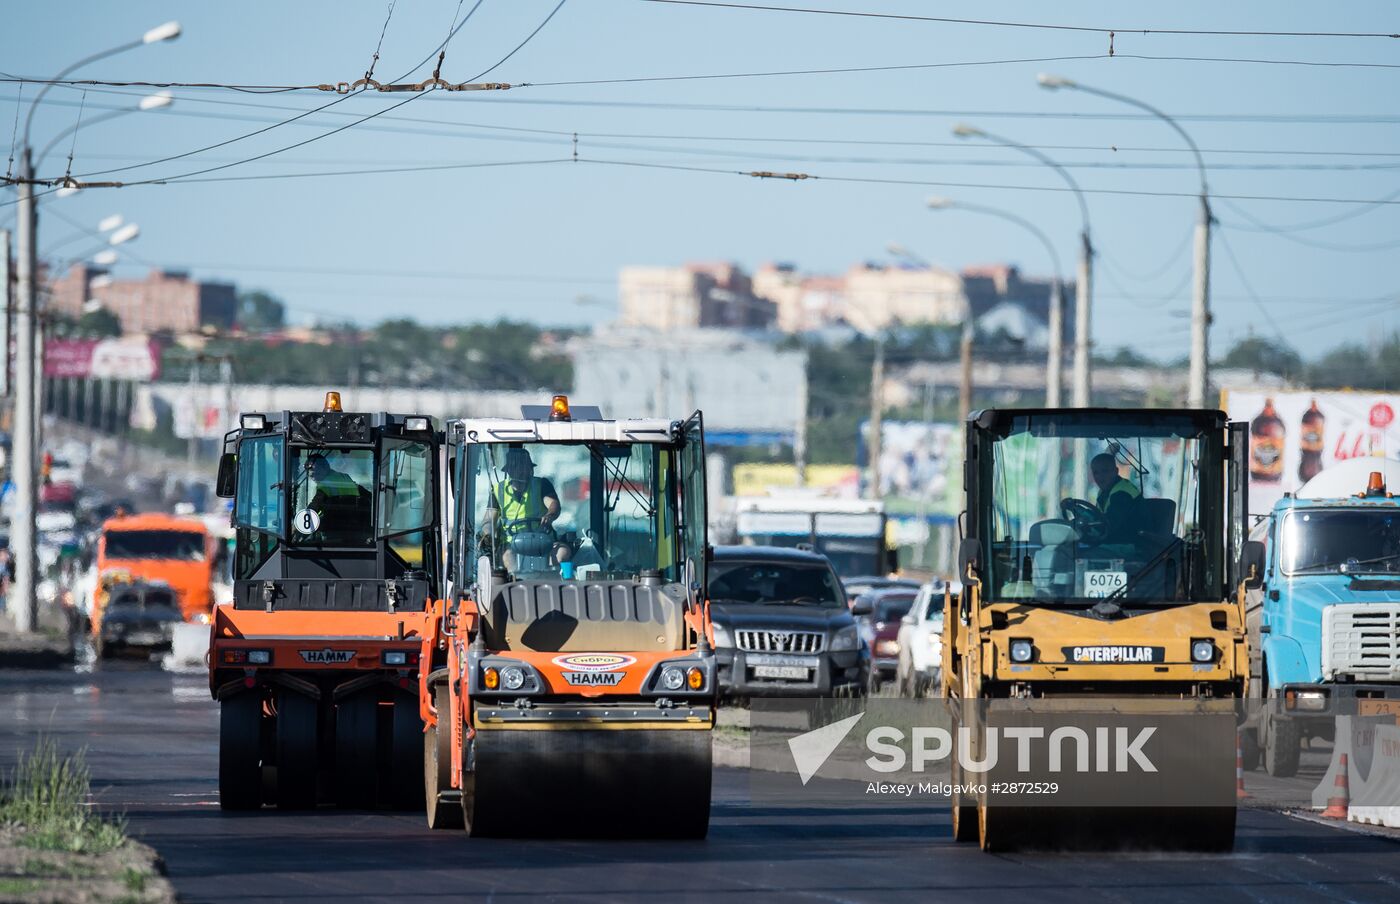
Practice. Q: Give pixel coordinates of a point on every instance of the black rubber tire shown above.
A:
(296, 746)
(437, 766)
(964, 814)
(1250, 754)
(356, 748)
(240, 752)
(1001, 828)
(1282, 742)
(403, 788)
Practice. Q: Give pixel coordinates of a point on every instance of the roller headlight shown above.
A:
(845, 639)
(672, 678)
(1202, 651)
(1022, 651)
(722, 638)
(512, 678)
(259, 657)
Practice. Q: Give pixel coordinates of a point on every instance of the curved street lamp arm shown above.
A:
(1020, 221)
(1050, 162)
(29, 119)
(1134, 102)
(48, 148)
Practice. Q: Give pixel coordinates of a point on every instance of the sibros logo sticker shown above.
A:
(594, 662)
(327, 656)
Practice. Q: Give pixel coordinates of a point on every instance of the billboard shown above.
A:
(1293, 436)
(111, 359)
(919, 465)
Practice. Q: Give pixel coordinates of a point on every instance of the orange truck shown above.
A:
(155, 549)
(568, 678)
(337, 554)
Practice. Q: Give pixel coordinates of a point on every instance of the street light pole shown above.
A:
(1199, 377)
(24, 602)
(23, 531)
(1054, 354)
(1084, 282)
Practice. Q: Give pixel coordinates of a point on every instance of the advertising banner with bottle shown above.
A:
(1294, 436)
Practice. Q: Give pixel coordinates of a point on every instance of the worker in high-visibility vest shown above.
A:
(523, 502)
(337, 491)
(1118, 496)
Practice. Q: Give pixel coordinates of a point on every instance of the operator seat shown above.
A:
(1052, 566)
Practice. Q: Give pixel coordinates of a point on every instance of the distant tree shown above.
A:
(1264, 356)
(1126, 357)
(98, 323)
(260, 312)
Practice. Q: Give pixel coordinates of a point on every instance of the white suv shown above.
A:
(921, 642)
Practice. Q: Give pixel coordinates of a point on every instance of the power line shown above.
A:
(1171, 260)
(1249, 289)
(528, 38)
(1036, 25)
(1260, 226)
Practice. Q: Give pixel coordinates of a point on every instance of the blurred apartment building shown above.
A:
(164, 301)
(868, 297)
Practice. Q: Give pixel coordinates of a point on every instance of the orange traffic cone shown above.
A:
(1338, 803)
(1240, 793)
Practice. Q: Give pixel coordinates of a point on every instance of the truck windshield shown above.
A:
(1343, 540)
(1083, 507)
(179, 545)
(543, 510)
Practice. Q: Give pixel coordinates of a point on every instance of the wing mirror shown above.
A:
(908, 620)
(861, 607)
(227, 482)
(1252, 564)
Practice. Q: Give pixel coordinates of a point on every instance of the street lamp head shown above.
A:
(124, 234)
(1054, 82)
(938, 203)
(105, 258)
(92, 305)
(897, 250)
(67, 191)
(963, 130)
(167, 32)
(107, 224)
(156, 101)
(100, 281)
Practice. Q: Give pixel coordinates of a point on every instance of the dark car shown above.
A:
(139, 618)
(879, 613)
(855, 586)
(782, 627)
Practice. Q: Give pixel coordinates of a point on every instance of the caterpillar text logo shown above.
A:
(593, 679)
(1113, 654)
(594, 662)
(327, 656)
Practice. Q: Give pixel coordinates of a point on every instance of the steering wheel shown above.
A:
(527, 537)
(1086, 520)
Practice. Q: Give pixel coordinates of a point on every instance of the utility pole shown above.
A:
(799, 440)
(23, 603)
(1083, 296)
(9, 297)
(877, 413)
(1055, 364)
(191, 451)
(1200, 311)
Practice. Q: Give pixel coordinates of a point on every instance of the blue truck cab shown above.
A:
(1325, 623)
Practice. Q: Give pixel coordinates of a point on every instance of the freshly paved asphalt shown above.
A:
(152, 745)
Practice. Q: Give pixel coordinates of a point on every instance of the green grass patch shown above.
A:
(44, 869)
(46, 798)
(15, 887)
(134, 879)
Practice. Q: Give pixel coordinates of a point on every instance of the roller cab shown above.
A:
(1103, 580)
(572, 680)
(337, 559)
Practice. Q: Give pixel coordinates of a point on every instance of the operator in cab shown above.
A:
(1118, 496)
(337, 494)
(523, 503)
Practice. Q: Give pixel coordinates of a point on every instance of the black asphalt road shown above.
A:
(151, 740)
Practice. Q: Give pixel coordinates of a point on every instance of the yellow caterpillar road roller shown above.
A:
(1100, 635)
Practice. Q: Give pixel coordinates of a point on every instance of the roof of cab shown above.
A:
(154, 521)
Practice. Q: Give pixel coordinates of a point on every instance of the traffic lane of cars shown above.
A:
(888, 851)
